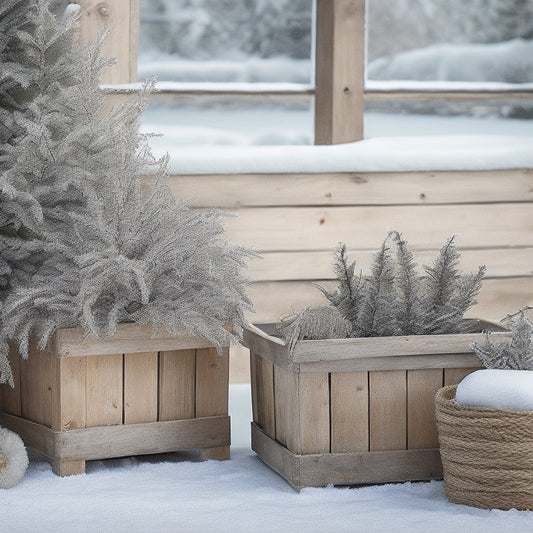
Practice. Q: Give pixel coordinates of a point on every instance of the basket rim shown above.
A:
(445, 397)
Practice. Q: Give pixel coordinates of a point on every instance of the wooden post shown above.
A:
(122, 18)
(339, 71)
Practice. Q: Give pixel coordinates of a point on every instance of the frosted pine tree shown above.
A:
(115, 252)
(394, 299)
(447, 293)
(18, 74)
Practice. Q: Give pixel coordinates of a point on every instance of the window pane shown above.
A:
(450, 40)
(225, 40)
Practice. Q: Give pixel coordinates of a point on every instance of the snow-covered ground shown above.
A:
(172, 493)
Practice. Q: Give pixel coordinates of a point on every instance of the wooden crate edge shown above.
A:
(105, 442)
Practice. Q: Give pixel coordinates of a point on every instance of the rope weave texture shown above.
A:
(487, 454)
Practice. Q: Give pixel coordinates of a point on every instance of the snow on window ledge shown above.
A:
(378, 154)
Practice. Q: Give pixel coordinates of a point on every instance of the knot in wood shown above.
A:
(347, 90)
(103, 9)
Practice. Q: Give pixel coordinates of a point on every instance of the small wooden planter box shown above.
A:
(133, 394)
(352, 411)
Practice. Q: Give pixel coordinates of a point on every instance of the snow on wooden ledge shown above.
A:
(380, 154)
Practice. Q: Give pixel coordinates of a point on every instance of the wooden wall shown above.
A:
(296, 221)
(121, 18)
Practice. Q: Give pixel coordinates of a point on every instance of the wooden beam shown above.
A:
(277, 229)
(453, 95)
(122, 18)
(355, 188)
(339, 71)
(301, 265)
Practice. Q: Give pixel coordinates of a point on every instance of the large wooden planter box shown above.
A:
(352, 411)
(130, 395)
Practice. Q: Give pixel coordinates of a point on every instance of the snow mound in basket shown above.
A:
(497, 389)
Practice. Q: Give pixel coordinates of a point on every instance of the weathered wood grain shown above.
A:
(177, 384)
(427, 226)
(339, 71)
(140, 387)
(354, 188)
(422, 385)
(349, 412)
(387, 410)
(104, 390)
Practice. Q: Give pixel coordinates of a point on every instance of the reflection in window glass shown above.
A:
(269, 41)
(451, 40)
(226, 40)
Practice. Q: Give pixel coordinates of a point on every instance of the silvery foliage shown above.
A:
(17, 75)
(516, 355)
(113, 250)
(394, 299)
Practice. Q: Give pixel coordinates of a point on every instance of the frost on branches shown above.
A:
(394, 299)
(110, 250)
(516, 355)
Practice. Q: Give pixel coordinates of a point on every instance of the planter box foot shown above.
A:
(68, 468)
(220, 453)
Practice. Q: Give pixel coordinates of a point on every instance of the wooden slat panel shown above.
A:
(38, 386)
(369, 467)
(12, 396)
(104, 390)
(453, 376)
(392, 346)
(314, 413)
(297, 266)
(319, 470)
(140, 387)
(339, 71)
(276, 456)
(273, 300)
(349, 412)
(388, 404)
(34, 435)
(70, 409)
(264, 396)
(310, 228)
(422, 386)
(287, 409)
(212, 379)
(177, 384)
(405, 362)
(140, 439)
(355, 188)
(253, 384)
(122, 440)
(128, 338)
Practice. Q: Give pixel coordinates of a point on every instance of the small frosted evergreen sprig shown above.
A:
(315, 323)
(394, 299)
(516, 355)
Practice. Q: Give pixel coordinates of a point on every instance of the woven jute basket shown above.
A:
(487, 454)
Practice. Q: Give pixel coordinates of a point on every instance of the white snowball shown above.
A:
(13, 459)
(72, 10)
(497, 389)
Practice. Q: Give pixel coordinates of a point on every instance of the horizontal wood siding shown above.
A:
(296, 221)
